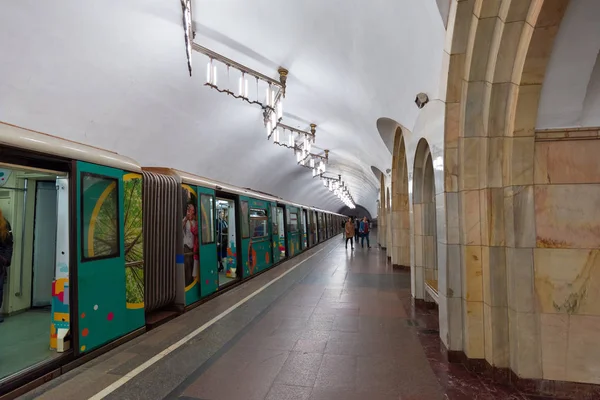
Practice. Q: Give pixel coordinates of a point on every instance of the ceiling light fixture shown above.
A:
(339, 188)
(274, 91)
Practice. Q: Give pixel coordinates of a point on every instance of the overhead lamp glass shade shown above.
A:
(279, 109)
(211, 73)
(243, 86)
(270, 97)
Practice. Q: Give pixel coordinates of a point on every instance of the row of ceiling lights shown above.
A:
(298, 140)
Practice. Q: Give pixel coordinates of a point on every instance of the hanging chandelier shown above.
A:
(339, 188)
(245, 83)
(316, 162)
(292, 138)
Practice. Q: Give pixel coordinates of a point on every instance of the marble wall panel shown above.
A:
(568, 281)
(452, 218)
(471, 226)
(419, 279)
(494, 276)
(473, 329)
(567, 216)
(419, 262)
(473, 274)
(469, 151)
(454, 275)
(495, 162)
(525, 346)
(520, 280)
(583, 351)
(555, 338)
(442, 268)
(455, 323)
(568, 162)
(496, 335)
(524, 216)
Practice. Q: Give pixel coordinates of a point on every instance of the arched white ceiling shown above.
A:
(113, 74)
(571, 91)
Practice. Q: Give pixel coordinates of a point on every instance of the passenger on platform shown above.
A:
(343, 229)
(6, 250)
(364, 232)
(350, 233)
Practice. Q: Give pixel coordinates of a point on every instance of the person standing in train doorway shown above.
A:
(6, 250)
(343, 230)
(350, 232)
(190, 244)
(364, 232)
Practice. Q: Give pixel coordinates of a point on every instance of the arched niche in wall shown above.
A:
(400, 207)
(382, 217)
(425, 229)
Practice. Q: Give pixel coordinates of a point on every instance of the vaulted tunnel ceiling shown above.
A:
(113, 74)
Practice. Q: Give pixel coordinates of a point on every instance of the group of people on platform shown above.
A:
(355, 227)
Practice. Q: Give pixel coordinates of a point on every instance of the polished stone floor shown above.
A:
(339, 325)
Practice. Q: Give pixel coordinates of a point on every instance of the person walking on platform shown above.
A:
(350, 233)
(363, 232)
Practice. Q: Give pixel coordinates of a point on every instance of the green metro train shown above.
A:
(136, 245)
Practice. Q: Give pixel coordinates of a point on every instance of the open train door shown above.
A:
(209, 274)
(105, 290)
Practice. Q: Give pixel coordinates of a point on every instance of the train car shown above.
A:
(103, 249)
(75, 214)
(222, 234)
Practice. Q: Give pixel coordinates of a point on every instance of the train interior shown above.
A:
(281, 232)
(226, 241)
(29, 201)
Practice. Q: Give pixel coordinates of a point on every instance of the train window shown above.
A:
(258, 222)
(100, 219)
(208, 218)
(293, 222)
(245, 225)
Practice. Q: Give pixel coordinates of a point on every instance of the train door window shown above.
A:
(100, 232)
(281, 232)
(226, 241)
(258, 223)
(245, 220)
(208, 232)
(293, 222)
(29, 235)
